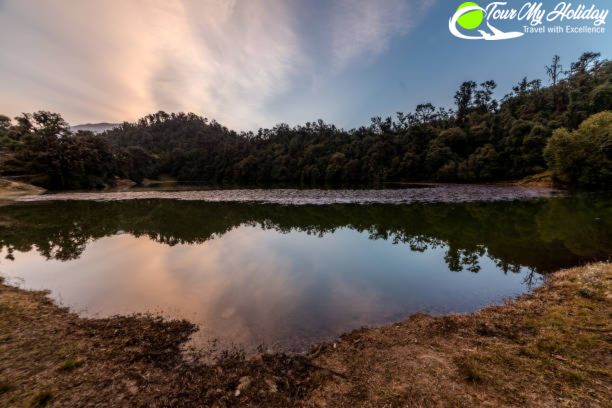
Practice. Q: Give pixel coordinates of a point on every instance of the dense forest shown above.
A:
(565, 126)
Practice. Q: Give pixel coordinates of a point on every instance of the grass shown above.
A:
(12, 189)
(471, 370)
(41, 398)
(585, 293)
(547, 349)
(70, 364)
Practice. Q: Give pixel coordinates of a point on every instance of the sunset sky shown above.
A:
(253, 64)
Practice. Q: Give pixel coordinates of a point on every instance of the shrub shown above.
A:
(583, 158)
(601, 97)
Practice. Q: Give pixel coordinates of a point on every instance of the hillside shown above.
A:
(481, 139)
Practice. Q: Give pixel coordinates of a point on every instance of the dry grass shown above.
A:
(10, 190)
(70, 364)
(549, 349)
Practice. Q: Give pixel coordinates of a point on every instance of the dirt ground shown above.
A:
(552, 348)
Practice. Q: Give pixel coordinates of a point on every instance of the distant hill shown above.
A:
(95, 127)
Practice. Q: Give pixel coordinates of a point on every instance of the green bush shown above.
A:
(583, 158)
(601, 97)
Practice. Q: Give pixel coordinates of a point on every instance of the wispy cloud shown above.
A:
(118, 59)
(366, 27)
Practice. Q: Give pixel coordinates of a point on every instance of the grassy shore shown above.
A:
(552, 348)
(12, 189)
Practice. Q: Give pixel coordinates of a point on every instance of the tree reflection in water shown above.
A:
(543, 235)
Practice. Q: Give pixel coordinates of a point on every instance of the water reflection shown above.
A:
(286, 275)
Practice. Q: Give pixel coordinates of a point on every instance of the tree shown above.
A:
(601, 97)
(424, 113)
(555, 70)
(43, 148)
(483, 99)
(583, 157)
(587, 61)
(5, 122)
(463, 99)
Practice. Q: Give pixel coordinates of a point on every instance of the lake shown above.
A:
(288, 268)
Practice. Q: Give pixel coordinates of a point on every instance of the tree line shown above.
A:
(564, 126)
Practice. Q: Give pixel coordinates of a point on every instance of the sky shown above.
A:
(251, 63)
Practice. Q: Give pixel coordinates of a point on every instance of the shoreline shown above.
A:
(11, 190)
(550, 347)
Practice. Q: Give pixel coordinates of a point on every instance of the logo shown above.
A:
(470, 16)
(473, 22)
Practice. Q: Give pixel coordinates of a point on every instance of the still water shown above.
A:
(286, 276)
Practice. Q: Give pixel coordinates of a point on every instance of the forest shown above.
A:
(564, 126)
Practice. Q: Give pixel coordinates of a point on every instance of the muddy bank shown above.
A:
(547, 349)
(50, 356)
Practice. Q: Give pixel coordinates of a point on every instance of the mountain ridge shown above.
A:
(95, 127)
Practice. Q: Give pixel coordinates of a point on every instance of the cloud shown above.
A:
(230, 60)
(118, 60)
(367, 27)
